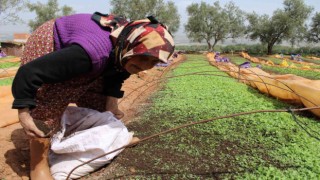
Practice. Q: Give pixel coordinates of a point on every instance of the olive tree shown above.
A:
(9, 10)
(47, 12)
(166, 13)
(284, 24)
(314, 32)
(214, 23)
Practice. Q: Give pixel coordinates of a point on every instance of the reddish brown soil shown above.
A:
(14, 147)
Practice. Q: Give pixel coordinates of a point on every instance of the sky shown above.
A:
(86, 6)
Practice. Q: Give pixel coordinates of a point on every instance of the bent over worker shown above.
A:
(82, 59)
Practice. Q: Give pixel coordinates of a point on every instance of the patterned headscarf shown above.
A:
(145, 37)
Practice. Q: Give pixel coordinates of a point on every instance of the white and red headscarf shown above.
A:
(146, 37)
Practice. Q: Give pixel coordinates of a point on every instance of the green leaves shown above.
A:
(314, 32)
(165, 12)
(256, 146)
(214, 23)
(286, 24)
(9, 10)
(46, 12)
(6, 82)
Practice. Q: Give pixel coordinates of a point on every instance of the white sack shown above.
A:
(85, 134)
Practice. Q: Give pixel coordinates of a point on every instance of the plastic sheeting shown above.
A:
(312, 57)
(283, 64)
(85, 134)
(286, 87)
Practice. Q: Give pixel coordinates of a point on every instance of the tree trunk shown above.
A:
(209, 46)
(270, 46)
(214, 44)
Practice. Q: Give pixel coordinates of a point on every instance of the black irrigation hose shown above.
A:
(203, 174)
(199, 73)
(204, 121)
(246, 80)
(261, 80)
(283, 68)
(191, 124)
(273, 86)
(292, 91)
(155, 83)
(304, 126)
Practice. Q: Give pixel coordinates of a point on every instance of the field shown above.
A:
(6, 81)
(255, 146)
(5, 64)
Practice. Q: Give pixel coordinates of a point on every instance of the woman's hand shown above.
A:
(112, 105)
(28, 124)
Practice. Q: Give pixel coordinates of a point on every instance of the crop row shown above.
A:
(278, 70)
(279, 61)
(263, 145)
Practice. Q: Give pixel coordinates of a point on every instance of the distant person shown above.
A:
(245, 65)
(292, 56)
(81, 59)
(282, 54)
(298, 57)
(2, 54)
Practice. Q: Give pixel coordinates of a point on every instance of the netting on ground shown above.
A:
(286, 87)
(8, 68)
(286, 63)
(241, 77)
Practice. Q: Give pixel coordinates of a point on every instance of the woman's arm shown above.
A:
(113, 81)
(28, 124)
(54, 67)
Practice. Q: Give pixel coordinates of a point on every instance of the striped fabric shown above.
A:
(146, 37)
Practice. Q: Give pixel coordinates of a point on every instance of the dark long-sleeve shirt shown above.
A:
(56, 67)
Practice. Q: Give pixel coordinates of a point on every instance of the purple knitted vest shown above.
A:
(80, 29)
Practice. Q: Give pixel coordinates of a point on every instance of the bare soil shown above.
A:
(14, 145)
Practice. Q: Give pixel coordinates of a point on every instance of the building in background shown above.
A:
(20, 37)
(15, 46)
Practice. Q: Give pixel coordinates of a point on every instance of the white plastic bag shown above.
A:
(85, 134)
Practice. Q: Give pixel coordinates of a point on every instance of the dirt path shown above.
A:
(14, 148)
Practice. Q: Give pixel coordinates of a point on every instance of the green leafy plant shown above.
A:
(264, 145)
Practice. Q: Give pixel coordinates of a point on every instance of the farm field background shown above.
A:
(232, 62)
(5, 64)
(277, 70)
(262, 145)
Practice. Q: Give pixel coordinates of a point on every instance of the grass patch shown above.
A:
(311, 60)
(6, 58)
(4, 65)
(303, 73)
(276, 60)
(256, 146)
(6, 81)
